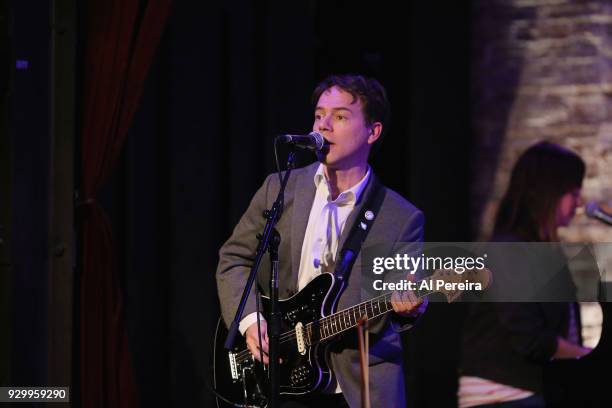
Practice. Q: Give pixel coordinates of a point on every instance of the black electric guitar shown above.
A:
(309, 324)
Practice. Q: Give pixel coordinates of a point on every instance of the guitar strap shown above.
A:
(359, 231)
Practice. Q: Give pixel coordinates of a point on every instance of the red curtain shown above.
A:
(122, 36)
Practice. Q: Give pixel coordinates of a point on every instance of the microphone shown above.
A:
(312, 141)
(593, 210)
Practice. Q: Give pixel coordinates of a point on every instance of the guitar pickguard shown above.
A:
(303, 369)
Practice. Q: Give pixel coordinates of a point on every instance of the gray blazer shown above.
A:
(397, 221)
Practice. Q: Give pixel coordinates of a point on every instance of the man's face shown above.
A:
(341, 121)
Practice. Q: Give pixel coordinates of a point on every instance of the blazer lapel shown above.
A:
(352, 218)
(302, 203)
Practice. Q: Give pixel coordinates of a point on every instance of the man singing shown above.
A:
(322, 202)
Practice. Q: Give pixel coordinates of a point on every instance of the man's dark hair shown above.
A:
(370, 92)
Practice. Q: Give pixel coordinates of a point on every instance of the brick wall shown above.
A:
(542, 70)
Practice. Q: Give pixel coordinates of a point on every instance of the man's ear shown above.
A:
(375, 132)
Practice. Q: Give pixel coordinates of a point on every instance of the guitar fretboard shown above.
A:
(334, 324)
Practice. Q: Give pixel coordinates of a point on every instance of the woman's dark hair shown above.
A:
(542, 174)
(370, 92)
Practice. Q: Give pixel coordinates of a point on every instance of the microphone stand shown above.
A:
(269, 240)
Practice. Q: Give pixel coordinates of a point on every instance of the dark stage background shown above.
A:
(225, 82)
(226, 79)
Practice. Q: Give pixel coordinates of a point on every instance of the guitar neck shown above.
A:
(346, 319)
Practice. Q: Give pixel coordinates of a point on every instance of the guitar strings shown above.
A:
(290, 335)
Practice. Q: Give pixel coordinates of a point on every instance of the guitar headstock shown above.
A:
(452, 284)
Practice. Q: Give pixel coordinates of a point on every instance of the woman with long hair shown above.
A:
(543, 194)
(506, 346)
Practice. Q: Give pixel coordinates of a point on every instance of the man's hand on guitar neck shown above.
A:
(252, 340)
(406, 304)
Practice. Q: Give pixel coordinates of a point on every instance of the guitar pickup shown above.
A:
(233, 366)
(299, 335)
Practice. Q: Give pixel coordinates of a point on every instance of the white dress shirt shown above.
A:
(325, 224)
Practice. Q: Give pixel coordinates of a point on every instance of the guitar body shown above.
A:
(304, 369)
(309, 322)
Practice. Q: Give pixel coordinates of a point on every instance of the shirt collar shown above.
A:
(350, 196)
